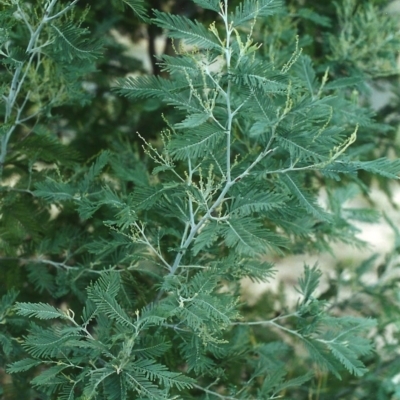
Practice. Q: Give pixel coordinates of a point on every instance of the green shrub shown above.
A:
(134, 287)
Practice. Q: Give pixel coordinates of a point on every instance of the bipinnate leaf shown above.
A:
(7, 300)
(259, 77)
(6, 344)
(45, 343)
(109, 283)
(343, 352)
(321, 356)
(72, 43)
(192, 32)
(107, 304)
(309, 282)
(256, 201)
(208, 235)
(39, 310)
(249, 10)
(340, 83)
(248, 237)
(162, 239)
(52, 190)
(153, 346)
(143, 87)
(381, 166)
(311, 15)
(155, 371)
(295, 382)
(95, 169)
(304, 198)
(213, 5)
(305, 71)
(23, 365)
(52, 375)
(345, 338)
(138, 7)
(192, 120)
(196, 143)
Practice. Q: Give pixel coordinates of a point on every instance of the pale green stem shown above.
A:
(41, 261)
(266, 322)
(228, 128)
(229, 181)
(196, 228)
(18, 81)
(221, 396)
(146, 241)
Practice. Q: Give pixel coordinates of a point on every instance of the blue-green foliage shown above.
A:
(232, 183)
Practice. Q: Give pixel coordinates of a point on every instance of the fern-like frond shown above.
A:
(207, 236)
(293, 383)
(381, 166)
(192, 121)
(154, 371)
(109, 283)
(98, 377)
(44, 147)
(6, 301)
(41, 277)
(72, 43)
(151, 346)
(348, 358)
(94, 170)
(108, 305)
(259, 75)
(52, 190)
(23, 365)
(191, 32)
(249, 10)
(258, 271)
(309, 282)
(307, 201)
(196, 143)
(335, 169)
(39, 310)
(51, 376)
(300, 148)
(142, 87)
(213, 5)
(138, 7)
(115, 387)
(305, 71)
(309, 14)
(6, 344)
(340, 340)
(213, 307)
(321, 356)
(202, 282)
(255, 201)
(248, 237)
(138, 381)
(340, 83)
(179, 64)
(155, 87)
(42, 343)
(195, 356)
(145, 197)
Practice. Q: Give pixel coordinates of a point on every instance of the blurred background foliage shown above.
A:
(41, 251)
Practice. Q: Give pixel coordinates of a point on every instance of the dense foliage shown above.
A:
(133, 204)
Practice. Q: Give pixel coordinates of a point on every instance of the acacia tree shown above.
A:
(147, 254)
